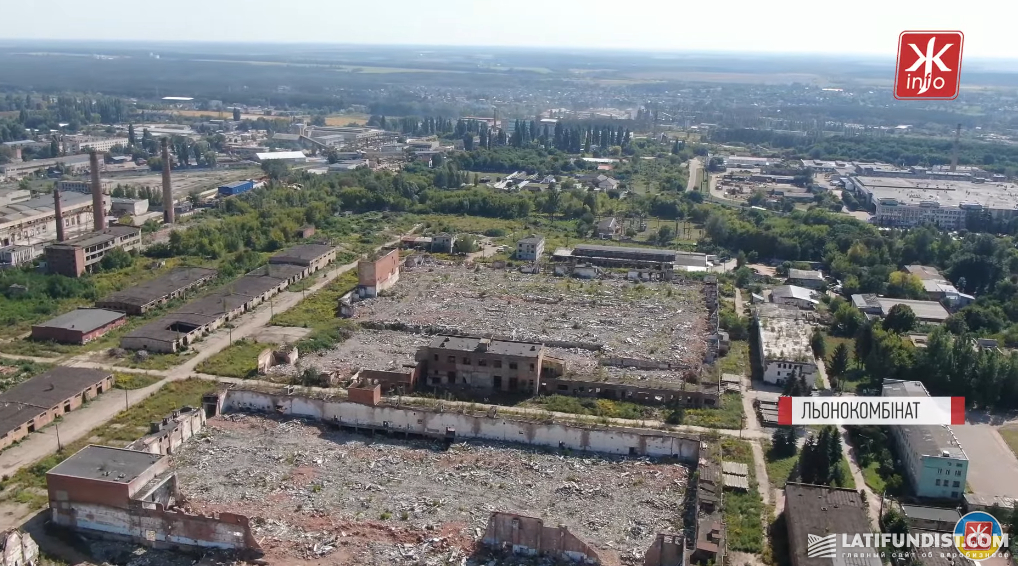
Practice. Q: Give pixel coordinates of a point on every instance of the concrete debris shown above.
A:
(313, 492)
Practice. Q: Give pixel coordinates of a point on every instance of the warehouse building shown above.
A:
(930, 312)
(236, 188)
(141, 298)
(947, 204)
(189, 323)
(288, 156)
(312, 256)
(74, 257)
(35, 403)
(936, 465)
(808, 278)
(79, 326)
(814, 512)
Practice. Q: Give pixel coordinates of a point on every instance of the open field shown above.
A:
(344, 119)
(225, 114)
(303, 484)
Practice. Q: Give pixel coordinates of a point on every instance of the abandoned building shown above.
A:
(312, 256)
(284, 355)
(131, 495)
(140, 298)
(819, 510)
(783, 342)
(454, 362)
(378, 274)
(529, 536)
(36, 402)
(190, 322)
(79, 326)
(443, 243)
(530, 248)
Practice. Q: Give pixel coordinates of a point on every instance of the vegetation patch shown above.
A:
(743, 510)
(595, 407)
(1010, 435)
(729, 414)
(319, 313)
(240, 359)
(124, 380)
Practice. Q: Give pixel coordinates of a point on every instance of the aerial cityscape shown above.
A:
(335, 304)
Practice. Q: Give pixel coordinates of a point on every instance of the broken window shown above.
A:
(513, 365)
(532, 367)
(482, 362)
(497, 382)
(451, 359)
(497, 363)
(467, 361)
(436, 357)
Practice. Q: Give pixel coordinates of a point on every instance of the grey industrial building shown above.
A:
(74, 257)
(930, 312)
(79, 326)
(821, 511)
(145, 296)
(945, 203)
(312, 256)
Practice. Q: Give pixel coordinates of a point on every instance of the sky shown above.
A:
(868, 27)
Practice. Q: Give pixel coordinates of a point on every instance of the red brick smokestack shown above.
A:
(58, 213)
(167, 191)
(98, 214)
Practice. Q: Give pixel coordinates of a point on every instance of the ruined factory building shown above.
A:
(175, 283)
(79, 326)
(314, 256)
(481, 363)
(194, 320)
(35, 403)
(74, 257)
(119, 493)
(378, 274)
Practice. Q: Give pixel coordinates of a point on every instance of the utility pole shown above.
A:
(127, 405)
(60, 445)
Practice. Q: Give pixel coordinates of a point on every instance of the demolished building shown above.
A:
(129, 495)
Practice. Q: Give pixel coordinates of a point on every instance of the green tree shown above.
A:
(904, 285)
(817, 343)
(839, 364)
(665, 235)
(900, 319)
(116, 259)
(130, 135)
(237, 114)
(276, 169)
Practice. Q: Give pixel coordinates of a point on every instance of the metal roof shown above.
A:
(735, 468)
(820, 511)
(280, 155)
(946, 515)
(793, 292)
(805, 274)
(84, 320)
(936, 441)
(924, 271)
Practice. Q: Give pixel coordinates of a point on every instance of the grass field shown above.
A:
(779, 468)
(28, 485)
(344, 119)
(240, 359)
(318, 312)
(595, 407)
(737, 361)
(729, 415)
(873, 478)
(1011, 435)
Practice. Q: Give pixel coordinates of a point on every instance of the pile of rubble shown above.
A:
(314, 492)
(664, 321)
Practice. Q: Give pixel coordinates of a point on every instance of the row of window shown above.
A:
(481, 363)
(954, 484)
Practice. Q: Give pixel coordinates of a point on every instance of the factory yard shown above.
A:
(338, 498)
(185, 182)
(660, 321)
(368, 349)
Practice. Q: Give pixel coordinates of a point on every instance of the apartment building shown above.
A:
(936, 464)
(530, 248)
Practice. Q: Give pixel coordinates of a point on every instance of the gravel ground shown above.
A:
(315, 493)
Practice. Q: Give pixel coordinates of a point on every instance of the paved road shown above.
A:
(77, 424)
(993, 468)
(695, 167)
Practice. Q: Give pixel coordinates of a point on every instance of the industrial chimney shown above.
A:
(58, 213)
(167, 191)
(955, 148)
(98, 214)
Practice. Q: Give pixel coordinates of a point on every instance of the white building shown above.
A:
(291, 156)
(79, 144)
(33, 221)
(946, 204)
(82, 186)
(530, 248)
(793, 295)
(936, 465)
(783, 340)
(747, 162)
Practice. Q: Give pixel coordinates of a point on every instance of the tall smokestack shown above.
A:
(955, 148)
(58, 213)
(98, 214)
(167, 191)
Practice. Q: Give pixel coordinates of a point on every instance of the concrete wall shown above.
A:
(175, 430)
(530, 536)
(667, 550)
(626, 392)
(391, 380)
(66, 490)
(777, 371)
(150, 524)
(430, 423)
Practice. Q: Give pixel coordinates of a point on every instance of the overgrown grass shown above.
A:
(728, 415)
(743, 510)
(124, 380)
(319, 313)
(26, 347)
(873, 478)
(240, 359)
(780, 468)
(847, 474)
(13, 372)
(596, 407)
(28, 485)
(737, 361)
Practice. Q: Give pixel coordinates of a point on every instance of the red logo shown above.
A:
(928, 65)
(978, 535)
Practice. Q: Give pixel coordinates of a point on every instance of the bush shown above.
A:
(495, 232)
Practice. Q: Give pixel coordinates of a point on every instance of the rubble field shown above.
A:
(313, 493)
(660, 321)
(368, 349)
